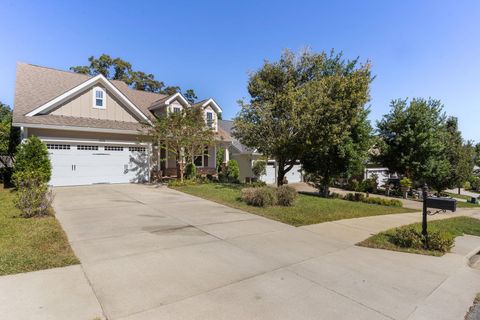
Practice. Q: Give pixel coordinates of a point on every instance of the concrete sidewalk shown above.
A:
(60, 293)
(155, 253)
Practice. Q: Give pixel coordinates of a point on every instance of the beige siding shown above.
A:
(82, 106)
(65, 134)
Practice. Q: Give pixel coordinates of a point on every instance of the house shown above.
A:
(92, 126)
(246, 157)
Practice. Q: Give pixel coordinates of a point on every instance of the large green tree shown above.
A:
(9, 137)
(303, 102)
(119, 69)
(412, 137)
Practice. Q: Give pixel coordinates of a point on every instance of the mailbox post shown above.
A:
(439, 203)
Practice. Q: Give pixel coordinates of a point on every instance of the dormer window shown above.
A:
(210, 121)
(176, 109)
(99, 98)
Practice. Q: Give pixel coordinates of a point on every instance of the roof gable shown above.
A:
(89, 83)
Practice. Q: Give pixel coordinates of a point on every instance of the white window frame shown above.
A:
(213, 124)
(104, 99)
(205, 150)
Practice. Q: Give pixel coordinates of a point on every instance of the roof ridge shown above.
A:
(55, 69)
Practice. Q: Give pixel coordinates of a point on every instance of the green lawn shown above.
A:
(30, 244)
(308, 209)
(456, 226)
(458, 196)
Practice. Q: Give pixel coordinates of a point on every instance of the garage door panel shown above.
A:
(80, 166)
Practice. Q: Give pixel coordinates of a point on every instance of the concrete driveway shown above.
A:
(155, 253)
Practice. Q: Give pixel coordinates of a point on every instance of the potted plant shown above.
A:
(405, 184)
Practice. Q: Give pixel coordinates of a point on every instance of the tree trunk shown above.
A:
(324, 191)
(280, 176)
(459, 191)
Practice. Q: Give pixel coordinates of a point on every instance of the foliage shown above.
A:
(9, 137)
(33, 197)
(259, 197)
(259, 168)
(406, 182)
(119, 69)
(411, 136)
(360, 197)
(179, 183)
(190, 171)
(305, 102)
(185, 134)
(286, 195)
(411, 237)
(475, 183)
(32, 156)
(467, 185)
(369, 185)
(219, 158)
(232, 171)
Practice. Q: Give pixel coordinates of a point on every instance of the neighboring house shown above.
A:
(246, 157)
(382, 174)
(92, 125)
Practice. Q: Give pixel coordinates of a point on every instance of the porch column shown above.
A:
(226, 156)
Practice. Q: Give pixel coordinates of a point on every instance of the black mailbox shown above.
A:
(442, 203)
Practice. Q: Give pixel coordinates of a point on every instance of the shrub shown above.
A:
(353, 185)
(286, 195)
(359, 197)
(411, 237)
(32, 156)
(259, 168)
(209, 177)
(335, 195)
(233, 171)
(33, 196)
(383, 202)
(257, 184)
(259, 197)
(349, 196)
(467, 185)
(178, 183)
(190, 171)
(368, 185)
(406, 182)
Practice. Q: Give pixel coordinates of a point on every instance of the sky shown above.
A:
(417, 48)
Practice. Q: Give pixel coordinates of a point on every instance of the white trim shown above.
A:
(93, 141)
(99, 78)
(175, 97)
(94, 98)
(214, 104)
(69, 128)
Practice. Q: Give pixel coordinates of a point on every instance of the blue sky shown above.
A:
(417, 48)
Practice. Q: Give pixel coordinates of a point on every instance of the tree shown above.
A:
(412, 138)
(183, 134)
(32, 157)
(190, 95)
(9, 137)
(302, 102)
(119, 69)
(345, 155)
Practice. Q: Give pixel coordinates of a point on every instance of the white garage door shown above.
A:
(81, 164)
(294, 175)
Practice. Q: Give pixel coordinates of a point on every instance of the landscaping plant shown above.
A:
(286, 195)
(232, 171)
(32, 156)
(259, 197)
(190, 171)
(33, 197)
(259, 168)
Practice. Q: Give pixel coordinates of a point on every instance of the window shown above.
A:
(99, 98)
(113, 148)
(137, 149)
(85, 147)
(51, 146)
(176, 109)
(210, 121)
(201, 160)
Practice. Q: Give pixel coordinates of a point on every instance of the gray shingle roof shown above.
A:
(227, 126)
(36, 85)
